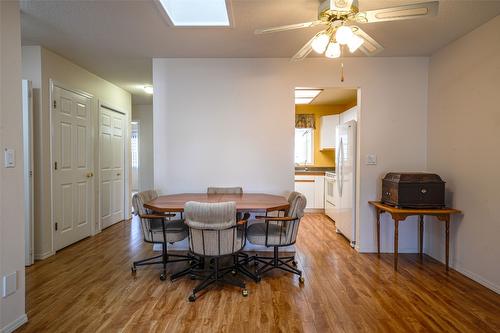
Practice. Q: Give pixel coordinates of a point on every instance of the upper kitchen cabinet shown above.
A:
(327, 131)
(348, 115)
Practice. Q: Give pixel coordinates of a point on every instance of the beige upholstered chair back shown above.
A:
(284, 233)
(224, 190)
(147, 225)
(212, 228)
(297, 203)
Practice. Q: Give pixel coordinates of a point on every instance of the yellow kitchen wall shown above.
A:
(325, 158)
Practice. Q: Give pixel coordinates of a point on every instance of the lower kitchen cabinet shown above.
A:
(313, 188)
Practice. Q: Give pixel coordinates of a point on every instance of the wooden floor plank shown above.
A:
(88, 287)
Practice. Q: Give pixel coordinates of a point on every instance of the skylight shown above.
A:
(190, 13)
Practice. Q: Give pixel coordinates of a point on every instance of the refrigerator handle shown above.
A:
(340, 175)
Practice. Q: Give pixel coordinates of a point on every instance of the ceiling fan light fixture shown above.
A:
(354, 43)
(343, 34)
(320, 43)
(333, 50)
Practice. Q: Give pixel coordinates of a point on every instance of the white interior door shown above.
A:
(72, 154)
(112, 149)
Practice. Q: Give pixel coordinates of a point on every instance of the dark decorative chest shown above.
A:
(413, 190)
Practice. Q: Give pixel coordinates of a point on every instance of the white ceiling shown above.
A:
(117, 39)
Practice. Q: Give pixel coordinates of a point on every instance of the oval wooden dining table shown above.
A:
(246, 202)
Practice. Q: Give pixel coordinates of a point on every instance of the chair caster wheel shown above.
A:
(192, 298)
(163, 277)
(301, 279)
(192, 277)
(133, 269)
(294, 263)
(244, 292)
(258, 278)
(233, 272)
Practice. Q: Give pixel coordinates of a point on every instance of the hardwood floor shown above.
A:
(88, 287)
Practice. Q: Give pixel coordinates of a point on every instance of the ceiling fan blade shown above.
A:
(304, 51)
(405, 12)
(289, 27)
(370, 46)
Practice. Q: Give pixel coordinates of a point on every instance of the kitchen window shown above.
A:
(304, 146)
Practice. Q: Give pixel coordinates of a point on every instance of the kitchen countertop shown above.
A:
(313, 171)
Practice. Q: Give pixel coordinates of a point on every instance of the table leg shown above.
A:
(396, 235)
(378, 232)
(421, 235)
(447, 226)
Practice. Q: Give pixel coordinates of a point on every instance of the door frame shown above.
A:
(28, 174)
(126, 162)
(52, 84)
(138, 125)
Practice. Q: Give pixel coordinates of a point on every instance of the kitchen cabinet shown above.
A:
(327, 131)
(313, 188)
(348, 115)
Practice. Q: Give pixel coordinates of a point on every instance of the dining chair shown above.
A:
(225, 190)
(214, 233)
(159, 228)
(276, 232)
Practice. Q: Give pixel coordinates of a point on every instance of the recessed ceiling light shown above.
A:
(148, 89)
(305, 92)
(192, 13)
(303, 100)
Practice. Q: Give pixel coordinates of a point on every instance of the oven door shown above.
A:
(330, 190)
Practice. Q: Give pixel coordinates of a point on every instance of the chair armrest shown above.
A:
(276, 218)
(152, 216)
(166, 214)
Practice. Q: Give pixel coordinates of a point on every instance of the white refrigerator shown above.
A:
(345, 191)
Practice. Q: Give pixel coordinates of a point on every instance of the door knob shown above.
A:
(90, 174)
(118, 174)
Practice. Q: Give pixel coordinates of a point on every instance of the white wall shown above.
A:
(463, 147)
(12, 308)
(144, 115)
(230, 122)
(71, 76)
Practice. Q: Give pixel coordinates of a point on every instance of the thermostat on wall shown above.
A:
(371, 159)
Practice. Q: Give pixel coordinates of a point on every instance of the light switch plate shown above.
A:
(371, 159)
(9, 285)
(9, 158)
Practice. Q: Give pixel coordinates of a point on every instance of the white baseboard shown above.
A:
(471, 275)
(42, 256)
(15, 324)
(478, 278)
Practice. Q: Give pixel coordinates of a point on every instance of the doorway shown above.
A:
(72, 158)
(325, 153)
(134, 151)
(112, 165)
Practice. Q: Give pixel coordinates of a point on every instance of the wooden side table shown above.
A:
(400, 214)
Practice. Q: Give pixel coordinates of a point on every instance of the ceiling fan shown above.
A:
(340, 18)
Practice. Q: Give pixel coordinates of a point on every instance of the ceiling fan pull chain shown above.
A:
(341, 64)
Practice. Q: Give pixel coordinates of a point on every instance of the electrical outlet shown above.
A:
(9, 284)
(371, 159)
